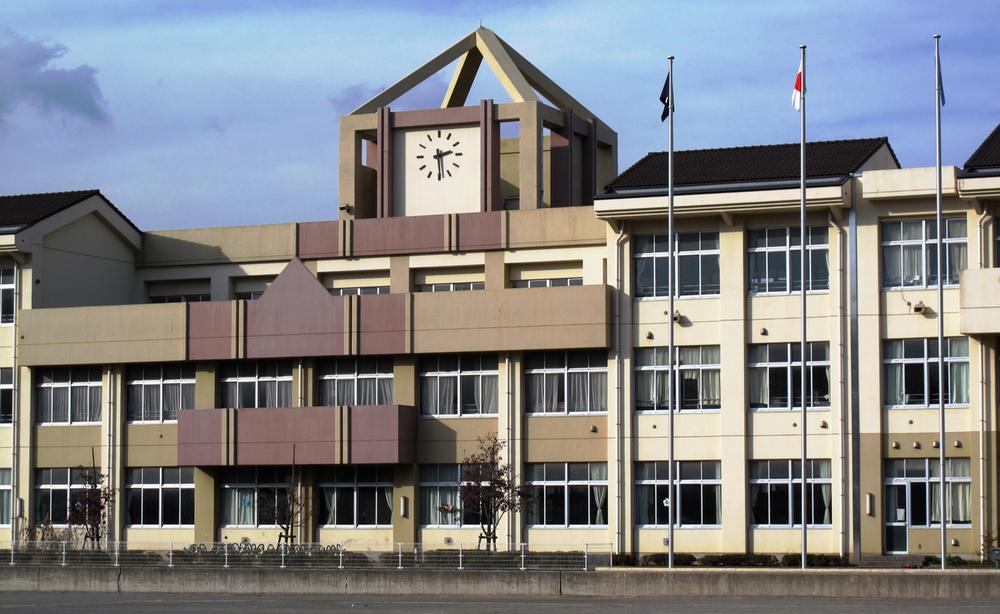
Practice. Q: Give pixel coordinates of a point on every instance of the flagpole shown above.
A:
(672, 263)
(940, 296)
(803, 355)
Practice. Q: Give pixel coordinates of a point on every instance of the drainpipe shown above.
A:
(15, 415)
(844, 502)
(619, 392)
(855, 396)
(301, 398)
(983, 395)
(110, 458)
(511, 458)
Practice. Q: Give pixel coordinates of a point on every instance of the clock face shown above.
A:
(439, 155)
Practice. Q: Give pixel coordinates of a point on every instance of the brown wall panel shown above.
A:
(382, 434)
(382, 324)
(303, 435)
(202, 437)
(67, 446)
(480, 231)
(565, 438)
(296, 316)
(210, 330)
(400, 235)
(319, 239)
(450, 440)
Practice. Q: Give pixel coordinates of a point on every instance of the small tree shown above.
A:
(488, 489)
(89, 505)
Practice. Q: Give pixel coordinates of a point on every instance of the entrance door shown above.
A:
(896, 518)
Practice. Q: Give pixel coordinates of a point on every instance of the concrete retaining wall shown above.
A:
(910, 584)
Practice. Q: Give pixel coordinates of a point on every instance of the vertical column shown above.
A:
(530, 158)
(735, 415)
(404, 490)
(510, 429)
(205, 515)
(589, 171)
(490, 157)
(383, 192)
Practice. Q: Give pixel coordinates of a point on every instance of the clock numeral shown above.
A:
(429, 138)
(447, 137)
(429, 173)
(439, 134)
(421, 146)
(420, 157)
(449, 173)
(422, 167)
(458, 153)
(455, 144)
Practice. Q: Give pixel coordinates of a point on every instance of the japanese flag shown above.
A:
(797, 90)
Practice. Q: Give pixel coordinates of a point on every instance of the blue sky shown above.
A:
(194, 113)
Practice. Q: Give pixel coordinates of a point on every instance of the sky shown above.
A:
(201, 113)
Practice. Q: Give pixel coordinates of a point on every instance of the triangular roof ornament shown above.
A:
(519, 77)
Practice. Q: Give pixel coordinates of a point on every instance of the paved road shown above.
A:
(175, 603)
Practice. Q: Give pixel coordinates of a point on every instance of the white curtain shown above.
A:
(447, 395)
(598, 392)
(430, 503)
(957, 255)
(825, 493)
(428, 395)
(553, 386)
(711, 391)
(600, 496)
(367, 391)
(644, 398)
(488, 398)
(187, 396)
(959, 503)
(758, 387)
(384, 390)
(150, 402)
(60, 404)
(576, 395)
(958, 382)
(171, 401)
(387, 495)
(134, 402)
(894, 384)
(715, 492)
(891, 266)
(239, 506)
(284, 396)
(662, 389)
(912, 273)
(935, 502)
(330, 500)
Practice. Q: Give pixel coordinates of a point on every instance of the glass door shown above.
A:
(896, 518)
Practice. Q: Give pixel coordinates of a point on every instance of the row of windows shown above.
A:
(908, 251)
(467, 384)
(562, 495)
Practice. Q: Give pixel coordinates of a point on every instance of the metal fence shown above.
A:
(310, 556)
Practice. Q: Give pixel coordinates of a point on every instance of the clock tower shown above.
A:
(452, 159)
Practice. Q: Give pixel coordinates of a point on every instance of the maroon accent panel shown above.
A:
(210, 330)
(201, 437)
(295, 317)
(589, 170)
(480, 231)
(435, 117)
(382, 325)
(319, 239)
(399, 235)
(382, 434)
(269, 436)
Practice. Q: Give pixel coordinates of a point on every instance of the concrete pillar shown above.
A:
(206, 517)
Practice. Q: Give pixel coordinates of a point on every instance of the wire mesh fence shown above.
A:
(227, 555)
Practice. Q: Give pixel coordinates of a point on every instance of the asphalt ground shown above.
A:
(176, 603)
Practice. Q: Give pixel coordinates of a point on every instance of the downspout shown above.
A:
(301, 398)
(511, 456)
(855, 396)
(110, 458)
(619, 391)
(983, 395)
(15, 494)
(844, 484)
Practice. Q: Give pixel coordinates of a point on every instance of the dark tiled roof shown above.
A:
(987, 155)
(27, 209)
(757, 163)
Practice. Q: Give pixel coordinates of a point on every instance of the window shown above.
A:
(156, 392)
(567, 382)
(567, 494)
(160, 497)
(257, 384)
(354, 381)
(459, 385)
(249, 295)
(776, 380)
(5, 497)
(699, 493)
(254, 497)
(910, 370)
(452, 286)
(356, 496)
(58, 494)
(555, 282)
(357, 290)
(774, 256)
(440, 503)
(7, 306)
(921, 478)
(696, 373)
(66, 395)
(697, 270)
(909, 252)
(776, 493)
(180, 298)
(6, 395)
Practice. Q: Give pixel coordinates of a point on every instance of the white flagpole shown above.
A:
(940, 296)
(803, 354)
(671, 264)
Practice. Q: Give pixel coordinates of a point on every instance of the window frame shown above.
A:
(181, 486)
(42, 388)
(793, 498)
(789, 247)
(257, 485)
(929, 480)
(381, 482)
(461, 374)
(927, 360)
(659, 366)
(257, 379)
(359, 290)
(661, 291)
(6, 492)
(356, 376)
(8, 294)
(6, 396)
(566, 483)
(657, 481)
(564, 373)
(183, 381)
(424, 485)
(927, 238)
(451, 286)
(47, 487)
(195, 297)
(792, 368)
(550, 282)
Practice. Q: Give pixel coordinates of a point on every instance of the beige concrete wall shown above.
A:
(216, 245)
(151, 445)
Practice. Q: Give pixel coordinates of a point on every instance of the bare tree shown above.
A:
(488, 489)
(89, 506)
